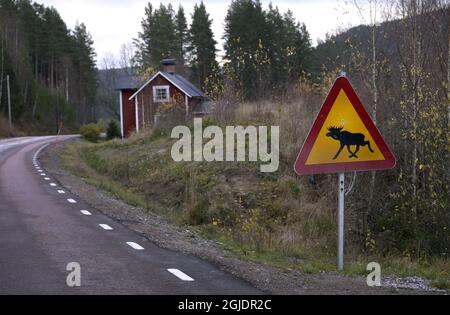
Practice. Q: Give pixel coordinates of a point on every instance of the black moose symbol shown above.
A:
(348, 139)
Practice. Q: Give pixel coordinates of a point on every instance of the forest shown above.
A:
(51, 69)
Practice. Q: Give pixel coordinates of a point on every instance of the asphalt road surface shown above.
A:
(43, 228)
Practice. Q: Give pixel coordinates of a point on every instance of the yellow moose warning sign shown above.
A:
(343, 137)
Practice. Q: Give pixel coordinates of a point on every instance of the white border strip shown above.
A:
(135, 245)
(181, 275)
(106, 227)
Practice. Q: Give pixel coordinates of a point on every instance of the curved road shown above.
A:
(43, 228)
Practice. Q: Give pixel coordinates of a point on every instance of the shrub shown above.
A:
(198, 213)
(113, 130)
(91, 132)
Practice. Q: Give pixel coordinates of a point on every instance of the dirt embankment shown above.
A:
(267, 278)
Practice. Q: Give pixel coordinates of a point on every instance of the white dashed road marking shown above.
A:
(53, 184)
(85, 212)
(40, 171)
(135, 245)
(106, 227)
(61, 192)
(43, 174)
(181, 275)
(46, 178)
(71, 201)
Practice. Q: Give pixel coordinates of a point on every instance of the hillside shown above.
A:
(275, 218)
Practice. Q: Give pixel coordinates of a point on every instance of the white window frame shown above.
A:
(161, 87)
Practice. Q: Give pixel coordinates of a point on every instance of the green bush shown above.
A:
(113, 130)
(91, 132)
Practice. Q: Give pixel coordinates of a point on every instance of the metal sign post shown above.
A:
(341, 221)
(342, 123)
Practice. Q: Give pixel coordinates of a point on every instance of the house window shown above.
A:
(161, 94)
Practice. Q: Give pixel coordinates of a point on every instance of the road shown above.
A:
(43, 228)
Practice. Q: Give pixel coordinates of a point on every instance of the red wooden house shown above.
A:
(139, 105)
(127, 84)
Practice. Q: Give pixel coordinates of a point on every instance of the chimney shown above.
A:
(169, 65)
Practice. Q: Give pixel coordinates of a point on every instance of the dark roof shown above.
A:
(184, 84)
(128, 81)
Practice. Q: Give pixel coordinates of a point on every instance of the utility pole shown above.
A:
(9, 102)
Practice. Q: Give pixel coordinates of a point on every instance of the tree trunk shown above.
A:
(2, 66)
(25, 92)
(52, 69)
(35, 105)
(17, 48)
(67, 84)
(36, 69)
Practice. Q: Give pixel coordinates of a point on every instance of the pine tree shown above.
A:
(85, 60)
(246, 49)
(202, 46)
(299, 47)
(143, 42)
(158, 38)
(181, 33)
(277, 41)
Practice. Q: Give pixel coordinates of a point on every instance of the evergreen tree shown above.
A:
(143, 42)
(298, 47)
(181, 33)
(270, 57)
(202, 46)
(244, 48)
(85, 60)
(158, 38)
(289, 48)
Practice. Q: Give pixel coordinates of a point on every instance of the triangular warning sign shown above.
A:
(343, 137)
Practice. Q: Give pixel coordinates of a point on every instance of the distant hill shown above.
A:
(352, 49)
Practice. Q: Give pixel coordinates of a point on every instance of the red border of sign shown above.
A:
(300, 166)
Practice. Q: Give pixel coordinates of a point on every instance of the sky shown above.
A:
(113, 23)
